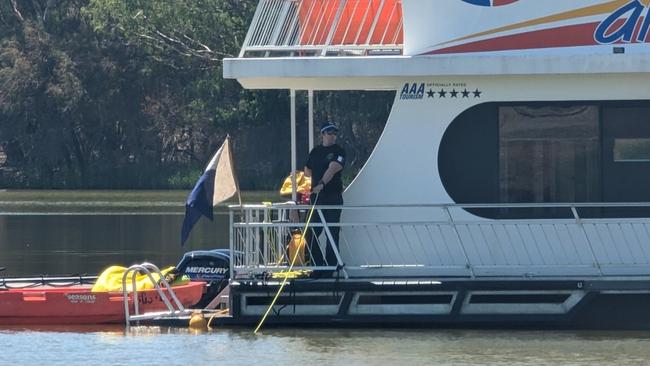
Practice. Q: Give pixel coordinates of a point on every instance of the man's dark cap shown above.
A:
(328, 126)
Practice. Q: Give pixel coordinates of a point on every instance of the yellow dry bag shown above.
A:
(111, 280)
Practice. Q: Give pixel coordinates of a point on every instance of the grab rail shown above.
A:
(43, 280)
(146, 268)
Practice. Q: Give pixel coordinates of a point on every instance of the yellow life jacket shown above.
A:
(303, 184)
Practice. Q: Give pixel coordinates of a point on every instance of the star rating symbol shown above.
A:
(454, 93)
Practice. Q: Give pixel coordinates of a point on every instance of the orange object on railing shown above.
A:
(357, 19)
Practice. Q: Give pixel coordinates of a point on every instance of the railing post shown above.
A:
(255, 240)
(310, 107)
(450, 219)
(252, 28)
(335, 24)
(375, 21)
(584, 232)
(248, 235)
(390, 17)
(282, 18)
(330, 239)
(294, 164)
(365, 16)
(291, 30)
(266, 246)
(347, 27)
(231, 239)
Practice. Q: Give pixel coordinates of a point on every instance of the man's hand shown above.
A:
(318, 188)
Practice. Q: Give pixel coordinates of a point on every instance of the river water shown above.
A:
(77, 232)
(63, 232)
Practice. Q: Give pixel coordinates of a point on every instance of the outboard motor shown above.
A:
(211, 266)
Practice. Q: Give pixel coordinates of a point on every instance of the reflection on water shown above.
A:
(56, 244)
(146, 345)
(73, 232)
(116, 329)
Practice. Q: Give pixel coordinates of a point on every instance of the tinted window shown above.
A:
(547, 152)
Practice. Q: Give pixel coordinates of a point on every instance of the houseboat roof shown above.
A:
(387, 72)
(365, 44)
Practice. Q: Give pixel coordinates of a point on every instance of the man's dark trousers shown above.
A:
(332, 216)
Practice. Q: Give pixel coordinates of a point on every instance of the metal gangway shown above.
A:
(173, 310)
(304, 28)
(453, 240)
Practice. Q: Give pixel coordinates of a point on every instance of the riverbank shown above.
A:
(37, 202)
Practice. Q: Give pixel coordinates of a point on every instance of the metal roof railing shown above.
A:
(325, 28)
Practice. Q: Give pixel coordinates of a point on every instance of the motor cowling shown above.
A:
(211, 266)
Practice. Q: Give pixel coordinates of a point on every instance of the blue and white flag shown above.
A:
(217, 184)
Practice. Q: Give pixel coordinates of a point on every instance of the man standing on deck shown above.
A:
(324, 166)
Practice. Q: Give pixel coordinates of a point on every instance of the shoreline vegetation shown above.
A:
(112, 201)
(130, 95)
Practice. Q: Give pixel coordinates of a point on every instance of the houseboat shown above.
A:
(523, 128)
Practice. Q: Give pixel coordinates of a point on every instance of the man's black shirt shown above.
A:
(319, 160)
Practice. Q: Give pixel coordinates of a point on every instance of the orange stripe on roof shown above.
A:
(608, 7)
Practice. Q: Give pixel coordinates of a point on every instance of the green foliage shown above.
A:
(130, 94)
(180, 33)
(185, 180)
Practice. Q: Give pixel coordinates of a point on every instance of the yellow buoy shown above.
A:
(197, 321)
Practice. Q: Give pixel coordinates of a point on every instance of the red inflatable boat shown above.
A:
(48, 304)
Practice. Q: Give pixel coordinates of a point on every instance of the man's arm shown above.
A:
(307, 172)
(332, 169)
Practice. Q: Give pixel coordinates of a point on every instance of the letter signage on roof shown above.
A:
(620, 25)
(471, 26)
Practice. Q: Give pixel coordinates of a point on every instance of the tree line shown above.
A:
(117, 94)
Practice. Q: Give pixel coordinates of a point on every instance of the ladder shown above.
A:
(148, 268)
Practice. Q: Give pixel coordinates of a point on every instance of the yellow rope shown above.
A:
(293, 261)
(218, 313)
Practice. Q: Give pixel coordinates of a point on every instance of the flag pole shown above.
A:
(234, 171)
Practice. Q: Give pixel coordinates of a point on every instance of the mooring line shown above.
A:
(293, 261)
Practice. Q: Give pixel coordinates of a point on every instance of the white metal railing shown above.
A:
(261, 240)
(447, 240)
(324, 28)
